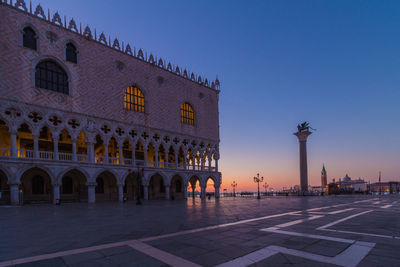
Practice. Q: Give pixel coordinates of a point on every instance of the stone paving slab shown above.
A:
(81, 225)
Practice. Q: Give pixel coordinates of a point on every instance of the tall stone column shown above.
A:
(106, 152)
(56, 193)
(74, 157)
(202, 160)
(203, 192)
(91, 192)
(90, 147)
(194, 161)
(156, 154)
(120, 156)
(14, 150)
(36, 154)
(185, 192)
(121, 192)
(145, 155)
(14, 194)
(185, 160)
(133, 154)
(302, 136)
(216, 187)
(146, 192)
(167, 195)
(176, 159)
(55, 141)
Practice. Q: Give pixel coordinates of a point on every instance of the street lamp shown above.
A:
(265, 185)
(234, 184)
(258, 179)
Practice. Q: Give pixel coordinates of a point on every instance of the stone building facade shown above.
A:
(84, 118)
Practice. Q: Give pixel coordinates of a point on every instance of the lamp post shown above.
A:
(258, 179)
(234, 184)
(265, 185)
(139, 183)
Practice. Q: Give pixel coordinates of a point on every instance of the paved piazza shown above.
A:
(308, 231)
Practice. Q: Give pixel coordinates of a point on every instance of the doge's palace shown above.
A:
(86, 117)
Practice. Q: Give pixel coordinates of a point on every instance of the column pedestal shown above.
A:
(121, 193)
(56, 194)
(146, 192)
(14, 194)
(91, 193)
(203, 192)
(216, 191)
(167, 196)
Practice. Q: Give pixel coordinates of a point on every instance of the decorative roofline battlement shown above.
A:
(116, 45)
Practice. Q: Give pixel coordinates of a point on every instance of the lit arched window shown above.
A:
(49, 75)
(134, 99)
(71, 53)
(187, 114)
(29, 38)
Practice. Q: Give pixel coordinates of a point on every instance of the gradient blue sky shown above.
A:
(333, 63)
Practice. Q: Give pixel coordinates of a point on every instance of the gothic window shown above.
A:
(187, 114)
(100, 186)
(71, 53)
(29, 38)
(67, 185)
(49, 75)
(134, 99)
(37, 185)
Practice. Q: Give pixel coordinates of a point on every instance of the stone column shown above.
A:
(120, 158)
(185, 161)
(176, 159)
(56, 193)
(216, 187)
(133, 154)
(145, 155)
(55, 140)
(36, 154)
(146, 191)
(202, 160)
(203, 192)
(194, 161)
(185, 192)
(302, 136)
(121, 192)
(193, 189)
(14, 150)
(166, 159)
(90, 147)
(106, 152)
(209, 162)
(91, 192)
(74, 156)
(167, 196)
(156, 154)
(14, 194)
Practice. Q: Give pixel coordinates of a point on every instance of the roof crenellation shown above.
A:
(116, 45)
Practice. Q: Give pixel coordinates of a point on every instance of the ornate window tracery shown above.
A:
(187, 114)
(49, 75)
(134, 99)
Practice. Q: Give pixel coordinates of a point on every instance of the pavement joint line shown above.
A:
(386, 206)
(359, 233)
(332, 212)
(343, 219)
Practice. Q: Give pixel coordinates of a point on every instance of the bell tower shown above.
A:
(324, 177)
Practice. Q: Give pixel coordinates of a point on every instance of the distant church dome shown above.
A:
(346, 178)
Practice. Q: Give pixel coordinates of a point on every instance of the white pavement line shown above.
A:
(343, 219)
(359, 233)
(162, 255)
(251, 258)
(386, 206)
(329, 238)
(332, 212)
(349, 258)
(61, 254)
(146, 239)
(298, 221)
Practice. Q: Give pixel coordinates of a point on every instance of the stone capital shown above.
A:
(302, 136)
